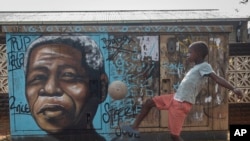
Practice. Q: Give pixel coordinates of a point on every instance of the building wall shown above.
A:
(240, 29)
(144, 61)
(238, 74)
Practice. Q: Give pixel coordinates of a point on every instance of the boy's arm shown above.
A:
(221, 81)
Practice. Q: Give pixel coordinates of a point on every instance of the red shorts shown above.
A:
(177, 111)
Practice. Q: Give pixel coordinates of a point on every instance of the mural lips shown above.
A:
(52, 111)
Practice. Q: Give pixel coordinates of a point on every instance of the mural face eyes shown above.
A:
(57, 86)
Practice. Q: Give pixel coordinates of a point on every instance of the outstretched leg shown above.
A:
(144, 112)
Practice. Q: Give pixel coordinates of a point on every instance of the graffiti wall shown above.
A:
(60, 83)
(55, 82)
(95, 83)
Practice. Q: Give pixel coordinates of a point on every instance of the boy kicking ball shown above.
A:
(180, 103)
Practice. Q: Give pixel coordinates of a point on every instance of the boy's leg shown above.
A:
(162, 102)
(176, 117)
(176, 138)
(144, 112)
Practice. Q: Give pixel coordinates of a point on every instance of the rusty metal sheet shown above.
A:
(118, 28)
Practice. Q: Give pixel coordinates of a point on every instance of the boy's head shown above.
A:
(200, 48)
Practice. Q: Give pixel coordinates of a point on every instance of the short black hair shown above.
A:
(201, 48)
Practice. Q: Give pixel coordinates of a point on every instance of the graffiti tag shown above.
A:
(18, 108)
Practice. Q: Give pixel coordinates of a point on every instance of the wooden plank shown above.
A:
(218, 57)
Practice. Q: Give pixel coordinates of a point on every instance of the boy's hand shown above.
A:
(238, 92)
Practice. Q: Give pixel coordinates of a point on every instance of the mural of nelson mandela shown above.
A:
(65, 83)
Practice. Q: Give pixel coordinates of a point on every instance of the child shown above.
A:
(180, 103)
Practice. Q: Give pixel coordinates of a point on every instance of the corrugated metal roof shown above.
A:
(106, 17)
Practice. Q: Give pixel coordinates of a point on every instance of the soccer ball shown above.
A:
(117, 90)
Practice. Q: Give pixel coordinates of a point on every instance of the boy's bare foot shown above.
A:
(130, 130)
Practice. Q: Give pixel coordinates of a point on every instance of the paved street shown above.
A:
(156, 136)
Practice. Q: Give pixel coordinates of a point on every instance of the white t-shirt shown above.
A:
(192, 83)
